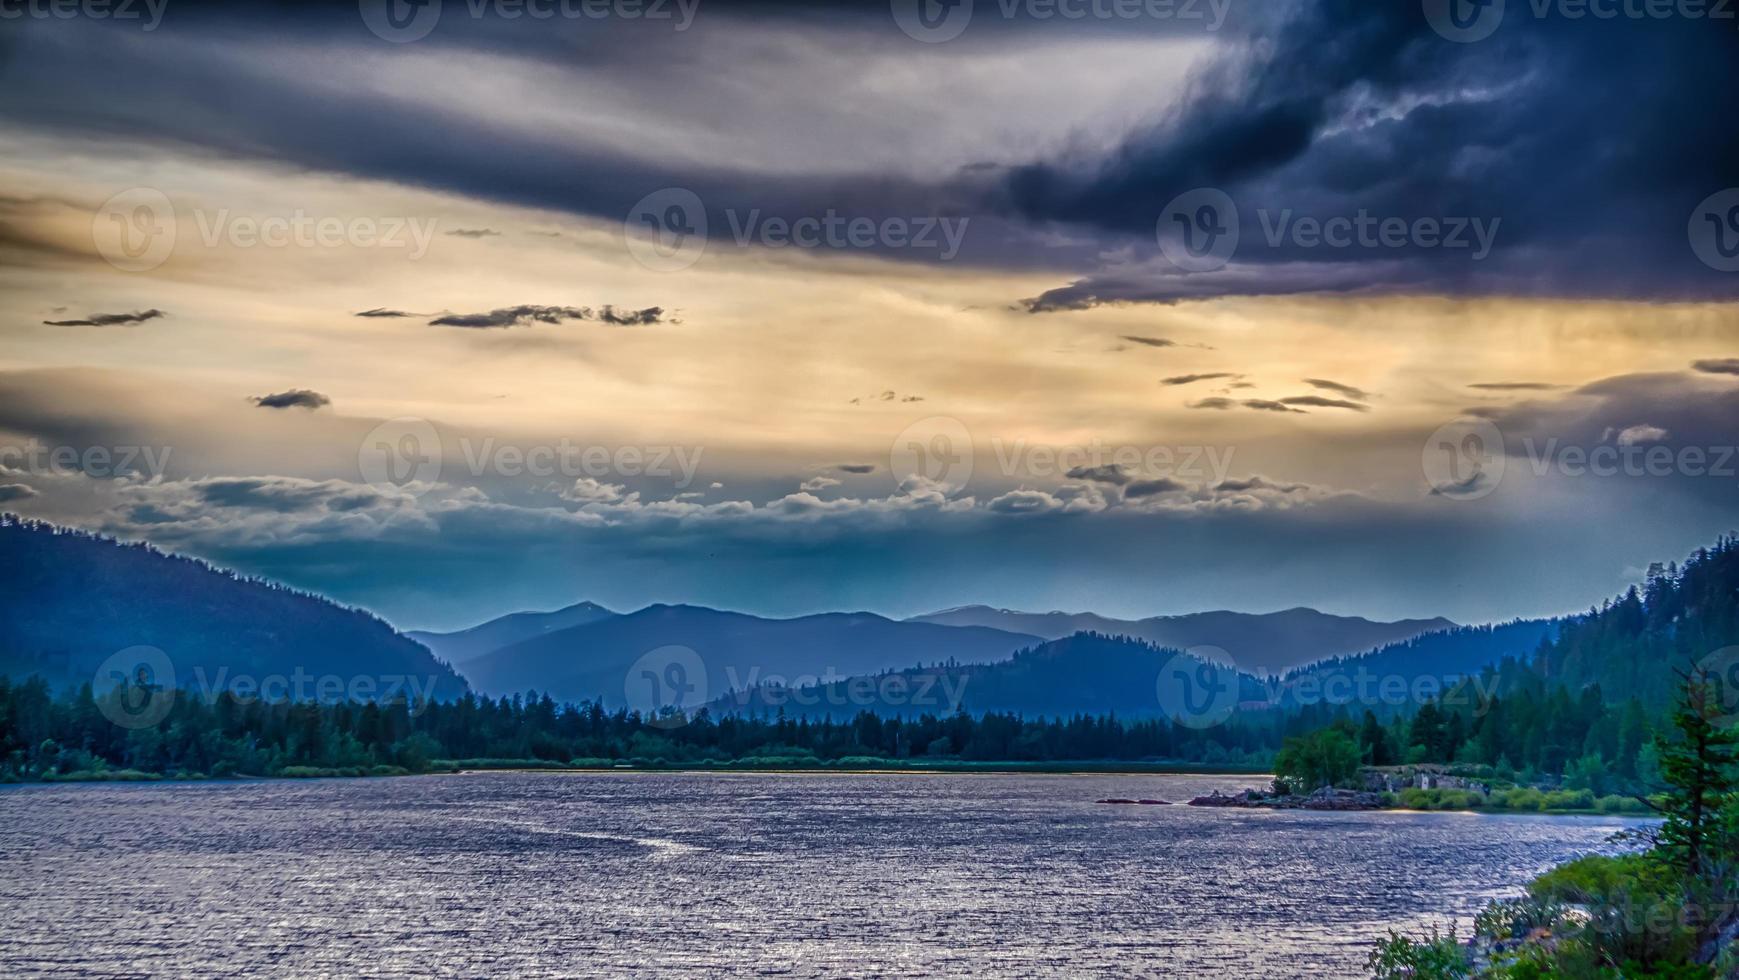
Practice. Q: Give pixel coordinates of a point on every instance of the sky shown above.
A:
(456, 309)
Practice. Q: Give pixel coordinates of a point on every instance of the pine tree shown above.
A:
(1698, 768)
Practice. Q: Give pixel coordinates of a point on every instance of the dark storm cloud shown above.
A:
(294, 398)
(1349, 107)
(1190, 379)
(1152, 488)
(109, 319)
(514, 316)
(1356, 394)
(1111, 473)
(1317, 401)
(1669, 412)
(1728, 365)
(1317, 109)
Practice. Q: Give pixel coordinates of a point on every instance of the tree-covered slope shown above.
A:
(69, 600)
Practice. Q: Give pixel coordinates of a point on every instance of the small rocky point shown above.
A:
(1323, 799)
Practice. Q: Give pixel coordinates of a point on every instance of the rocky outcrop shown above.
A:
(1323, 799)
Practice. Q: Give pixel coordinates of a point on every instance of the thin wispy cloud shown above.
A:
(109, 319)
(1356, 394)
(517, 316)
(1318, 401)
(1190, 379)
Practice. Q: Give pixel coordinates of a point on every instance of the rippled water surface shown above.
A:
(520, 874)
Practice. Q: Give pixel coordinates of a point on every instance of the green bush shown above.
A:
(1635, 907)
(1433, 956)
(1516, 918)
(1567, 799)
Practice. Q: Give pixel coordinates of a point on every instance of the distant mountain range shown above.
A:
(1261, 643)
(1085, 673)
(595, 660)
(1095, 673)
(69, 601)
(469, 644)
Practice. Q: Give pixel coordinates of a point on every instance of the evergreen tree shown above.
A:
(1698, 767)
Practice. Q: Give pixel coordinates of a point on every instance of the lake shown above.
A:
(686, 875)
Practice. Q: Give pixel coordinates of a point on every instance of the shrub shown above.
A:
(1433, 956)
(1515, 918)
(1564, 799)
(1636, 907)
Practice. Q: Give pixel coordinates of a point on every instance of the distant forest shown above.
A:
(1587, 705)
(1582, 709)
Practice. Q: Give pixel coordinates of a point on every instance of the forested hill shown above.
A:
(69, 600)
(1630, 647)
(1462, 651)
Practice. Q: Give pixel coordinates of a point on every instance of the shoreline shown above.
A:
(461, 767)
(123, 777)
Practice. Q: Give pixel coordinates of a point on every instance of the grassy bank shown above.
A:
(1524, 799)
